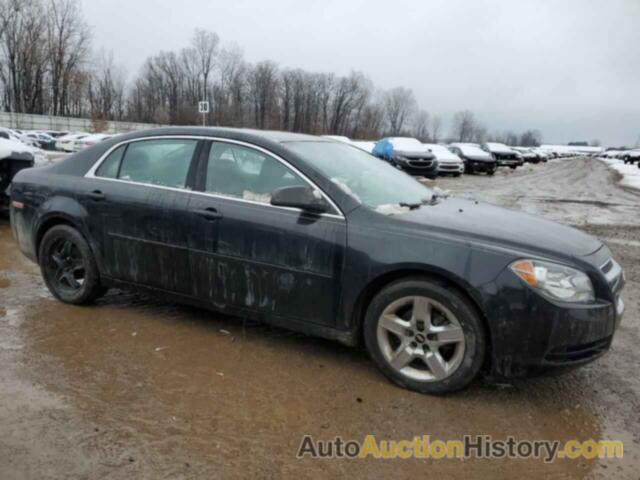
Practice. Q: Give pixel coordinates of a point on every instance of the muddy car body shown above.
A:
(320, 237)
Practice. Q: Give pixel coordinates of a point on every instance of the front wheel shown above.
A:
(513, 167)
(425, 336)
(68, 266)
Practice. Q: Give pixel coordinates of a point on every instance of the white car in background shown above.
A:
(448, 162)
(65, 143)
(12, 139)
(89, 141)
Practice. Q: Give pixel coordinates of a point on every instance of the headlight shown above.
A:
(555, 281)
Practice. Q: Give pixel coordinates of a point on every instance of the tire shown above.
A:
(393, 335)
(491, 172)
(513, 167)
(457, 174)
(68, 266)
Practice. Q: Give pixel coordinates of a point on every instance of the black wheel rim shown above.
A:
(65, 266)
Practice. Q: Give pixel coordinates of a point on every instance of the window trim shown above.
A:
(91, 173)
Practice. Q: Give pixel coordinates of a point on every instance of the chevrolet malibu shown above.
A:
(320, 237)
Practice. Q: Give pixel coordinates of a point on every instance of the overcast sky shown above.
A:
(570, 68)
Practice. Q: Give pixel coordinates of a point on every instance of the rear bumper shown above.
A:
(532, 336)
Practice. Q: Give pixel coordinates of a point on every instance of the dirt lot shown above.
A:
(138, 388)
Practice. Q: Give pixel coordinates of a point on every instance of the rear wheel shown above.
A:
(68, 266)
(425, 336)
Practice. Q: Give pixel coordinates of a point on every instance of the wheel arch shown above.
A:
(381, 281)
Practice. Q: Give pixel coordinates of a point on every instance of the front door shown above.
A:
(249, 254)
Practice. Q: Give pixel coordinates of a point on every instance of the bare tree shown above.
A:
(464, 124)
(421, 126)
(436, 128)
(531, 138)
(400, 104)
(596, 143)
(67, 49)
(23, 54)
(106, 90)
(263, 82)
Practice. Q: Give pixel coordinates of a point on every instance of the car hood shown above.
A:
(415, 154)
(483, 221)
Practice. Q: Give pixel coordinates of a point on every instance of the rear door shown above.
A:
(136, 202)
(251, 255)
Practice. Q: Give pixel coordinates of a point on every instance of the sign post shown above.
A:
(203, 108)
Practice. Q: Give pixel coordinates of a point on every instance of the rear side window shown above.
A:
(158, 162)
(111, 165)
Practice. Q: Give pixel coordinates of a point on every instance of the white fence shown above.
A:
(24, 121)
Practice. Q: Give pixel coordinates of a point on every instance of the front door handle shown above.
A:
(209, 213)
(96, 195)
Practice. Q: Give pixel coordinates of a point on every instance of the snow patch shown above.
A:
(630, 172)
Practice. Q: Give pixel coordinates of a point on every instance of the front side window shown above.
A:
(158, 162)
(241, 172)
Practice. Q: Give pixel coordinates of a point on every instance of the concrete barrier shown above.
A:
(25, 121)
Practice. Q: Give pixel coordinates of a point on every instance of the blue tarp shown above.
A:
(383, 149)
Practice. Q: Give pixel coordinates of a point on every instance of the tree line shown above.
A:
(47, 66)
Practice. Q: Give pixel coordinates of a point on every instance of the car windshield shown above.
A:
(372, 181)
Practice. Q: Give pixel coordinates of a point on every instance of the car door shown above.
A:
(136, 201)
(248, 254)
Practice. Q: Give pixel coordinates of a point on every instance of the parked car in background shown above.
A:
(315, 236)
(408, 154)
(14, 156)
(65, 143)
(89, 141)
(448, 162)
(57, 134)
(542, 155)
(527, 154)
(474, 158)
(504, 155)
(631, 156)
(44, 140)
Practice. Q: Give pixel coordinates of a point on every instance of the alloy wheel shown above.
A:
(66, 265)
(421, 339)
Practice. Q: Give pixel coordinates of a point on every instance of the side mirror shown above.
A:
(301, 197)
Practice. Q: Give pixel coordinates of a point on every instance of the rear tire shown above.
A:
(68, 266)
(425, 336)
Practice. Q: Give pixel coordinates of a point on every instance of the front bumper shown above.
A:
(450, 167)
(532, 336)
(425, 168)
(481, 166)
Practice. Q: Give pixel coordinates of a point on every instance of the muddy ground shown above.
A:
(138, 388)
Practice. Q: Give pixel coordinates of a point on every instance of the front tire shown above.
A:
(425, 336)
(68, 266)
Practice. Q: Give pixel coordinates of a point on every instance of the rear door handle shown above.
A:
(209, 213)
(96, 195)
